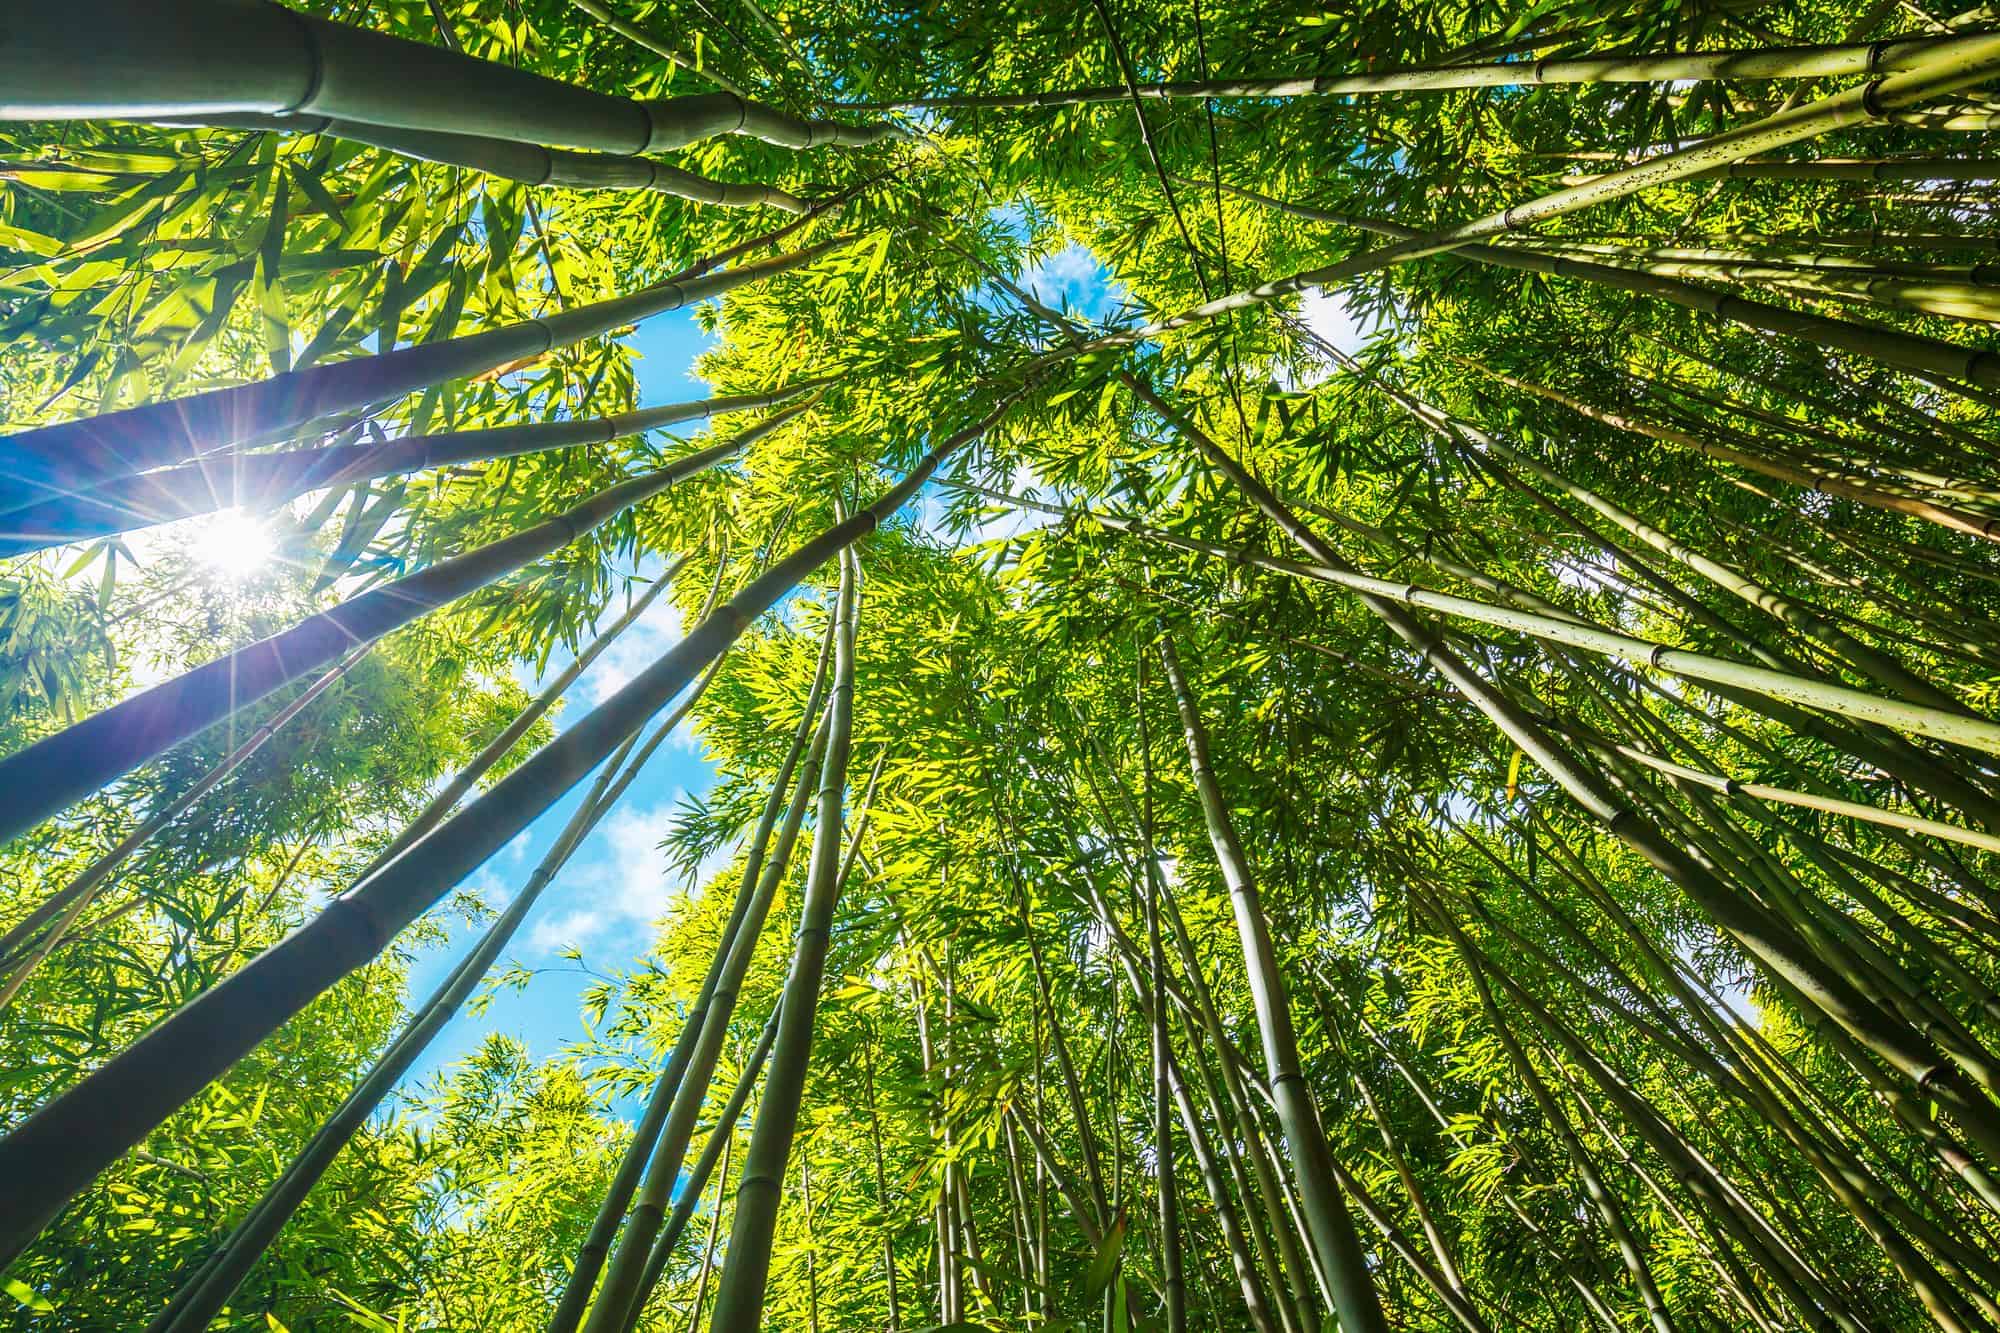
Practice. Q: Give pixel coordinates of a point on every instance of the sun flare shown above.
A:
(234, 545)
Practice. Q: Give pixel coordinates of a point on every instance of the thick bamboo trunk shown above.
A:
(55, 1153)
(59, 912)
(720, 1141)
(619, 1298)
(202, 1300)
(526, 163)
(55, 772)
(139, 61)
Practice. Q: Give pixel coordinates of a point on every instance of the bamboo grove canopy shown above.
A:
(1352, 655)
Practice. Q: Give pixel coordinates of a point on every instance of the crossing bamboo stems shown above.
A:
(611, 1211)
(57, 1151)
(258, 481)
(61, 909)
(54, 461)
(48, 776)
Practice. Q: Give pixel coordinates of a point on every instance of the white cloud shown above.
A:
(639, 645)
(618, 883)
(616, 880)
(1064, 275)
(1329, 315)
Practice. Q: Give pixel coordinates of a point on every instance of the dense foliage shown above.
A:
(1422, 757)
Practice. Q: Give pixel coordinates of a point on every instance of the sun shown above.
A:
(233, 545)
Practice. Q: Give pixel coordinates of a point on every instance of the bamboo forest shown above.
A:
(1275, 665)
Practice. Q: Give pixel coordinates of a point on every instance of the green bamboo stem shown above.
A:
(525, 163)
(1256, 1304)
(55, 1153)
(720, 1140)
(1288, 1271)
(662, 1250)
(639, 37)
(1172, 1274)
(1334, 1238)
(1607, 1204)
(1774, 62)
(1807, 801)
(48, 776)
(1857, 1188)
(221, 57)
(61, 909)
(1065, 1183)
(261, 481)
(52, 461)
(619, 1297)
(1939, 295)
(747, 907)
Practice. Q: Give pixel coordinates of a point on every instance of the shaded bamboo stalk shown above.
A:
(202, 1299)
(1335, 1241)
(48, 776)
(53, 461)
(222, 57)
(56, 1152)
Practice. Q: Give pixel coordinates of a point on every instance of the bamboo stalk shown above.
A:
(1334, 1238)
(202, 1299)
(53, 461)
(720, 1141)
(55, 1153)
(662, 1248)
(61, 909)
(639, 37)
(48, 776)
(622, 1292)
(1773, 62)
